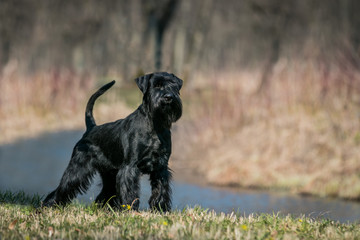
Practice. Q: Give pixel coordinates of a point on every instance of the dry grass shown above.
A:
(49, 101)
(302, 134)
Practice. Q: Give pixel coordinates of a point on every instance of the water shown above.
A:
(36, 165)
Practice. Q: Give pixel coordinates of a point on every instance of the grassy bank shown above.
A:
(300, 134)
(20, 220)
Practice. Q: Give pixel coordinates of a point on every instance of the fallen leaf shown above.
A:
(12, 224)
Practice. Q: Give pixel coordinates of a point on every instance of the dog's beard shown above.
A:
(174, 110)
(167, 113)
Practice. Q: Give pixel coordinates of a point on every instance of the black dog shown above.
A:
(121, 151)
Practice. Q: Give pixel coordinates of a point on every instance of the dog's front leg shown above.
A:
(161, 190)
(128, 187)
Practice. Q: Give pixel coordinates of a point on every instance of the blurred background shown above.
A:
(271, 87)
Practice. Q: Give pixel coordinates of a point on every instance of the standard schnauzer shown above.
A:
(121, 151)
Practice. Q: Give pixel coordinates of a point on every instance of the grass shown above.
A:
(19, 219)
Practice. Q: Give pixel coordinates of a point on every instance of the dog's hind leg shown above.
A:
(128, 187)
(76, 178)
(108, 192)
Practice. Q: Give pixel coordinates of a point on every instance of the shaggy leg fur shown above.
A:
(76, 178)
(128, 182)
(161, 190)
(108, 192)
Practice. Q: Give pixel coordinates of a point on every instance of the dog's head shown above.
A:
(162, 95)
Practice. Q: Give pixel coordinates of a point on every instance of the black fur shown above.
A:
(121, 151)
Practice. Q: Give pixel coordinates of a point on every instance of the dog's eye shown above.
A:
(157, 85)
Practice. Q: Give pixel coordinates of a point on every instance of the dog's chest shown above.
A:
(155, 154)
(159, 146)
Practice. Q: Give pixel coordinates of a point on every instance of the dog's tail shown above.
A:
(89, 118)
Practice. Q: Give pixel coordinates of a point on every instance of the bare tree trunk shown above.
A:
(345, 19)
(268, 69)
(4, 53)
(158, 15)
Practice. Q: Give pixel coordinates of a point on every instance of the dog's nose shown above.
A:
(168, 97)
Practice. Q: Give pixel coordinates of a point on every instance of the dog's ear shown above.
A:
(143, 82)
(179, 82)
